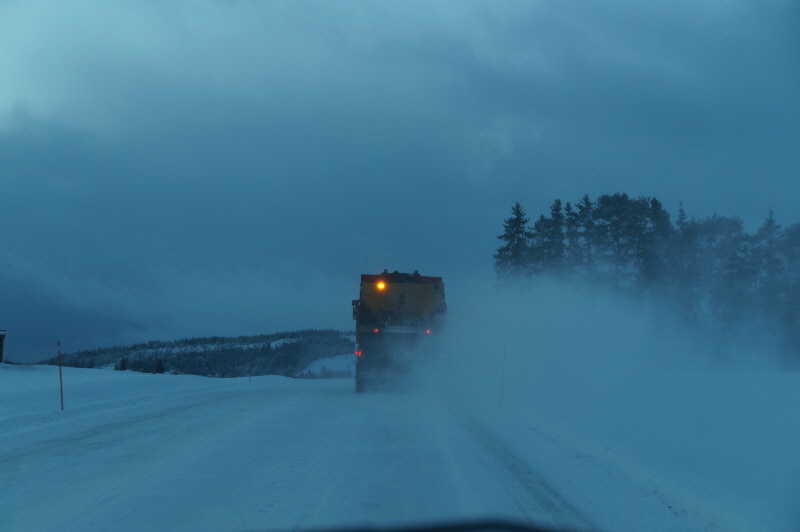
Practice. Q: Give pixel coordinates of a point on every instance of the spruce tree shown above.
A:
(555, 236)
(770, 262)
(654, 254)
(615, 223)
(790, 313)
(548, 240)
(572, 234)
(587, 232)
(681, 224)
(511, 258)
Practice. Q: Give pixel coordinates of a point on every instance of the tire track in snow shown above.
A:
(528, 486)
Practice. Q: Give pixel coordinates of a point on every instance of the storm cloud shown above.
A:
(174, 169)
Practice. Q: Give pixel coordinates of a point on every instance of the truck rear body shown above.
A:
(397, 317)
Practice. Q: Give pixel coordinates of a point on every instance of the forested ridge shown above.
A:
(286, 353)
(723, 279)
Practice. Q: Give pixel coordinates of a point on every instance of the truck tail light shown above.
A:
(359, 353)
(376, 330)
(427, 331)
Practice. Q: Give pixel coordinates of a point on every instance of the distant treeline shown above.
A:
(285, 353)
(719, 275)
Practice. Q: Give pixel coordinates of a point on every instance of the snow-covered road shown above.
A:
(161, 452)
(261, 455)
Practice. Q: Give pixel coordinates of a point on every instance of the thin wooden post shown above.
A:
(60, 379)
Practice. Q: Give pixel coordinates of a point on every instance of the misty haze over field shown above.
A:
(184, 169)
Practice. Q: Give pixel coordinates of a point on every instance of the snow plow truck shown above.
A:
(397, 318)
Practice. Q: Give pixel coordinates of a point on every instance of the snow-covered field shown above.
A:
(684, 451)
(342, 365)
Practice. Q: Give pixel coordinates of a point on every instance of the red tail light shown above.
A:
(358, 353)
(376, 330)
(428, 331)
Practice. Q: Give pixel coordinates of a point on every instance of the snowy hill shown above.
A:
(287, 353)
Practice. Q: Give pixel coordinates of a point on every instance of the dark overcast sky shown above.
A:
(174, 169)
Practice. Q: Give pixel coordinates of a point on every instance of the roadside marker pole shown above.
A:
(503, 373)
(60, 379)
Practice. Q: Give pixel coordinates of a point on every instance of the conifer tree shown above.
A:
(681, 223)
(586, 229)
(511, 258)
(619, 226)
(548, 240)
(770, 261)
(555, 235)
(572, 233)
(789, 314)
(655, 248)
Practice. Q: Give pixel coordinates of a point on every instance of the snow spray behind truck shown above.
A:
(397, 316)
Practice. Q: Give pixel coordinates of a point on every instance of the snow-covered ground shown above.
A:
(690, 451)
(341, 365)
(578, 412)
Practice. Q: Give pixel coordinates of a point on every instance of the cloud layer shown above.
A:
(208, 168)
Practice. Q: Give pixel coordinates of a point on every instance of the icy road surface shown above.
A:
(257, 455)
(159, 452)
